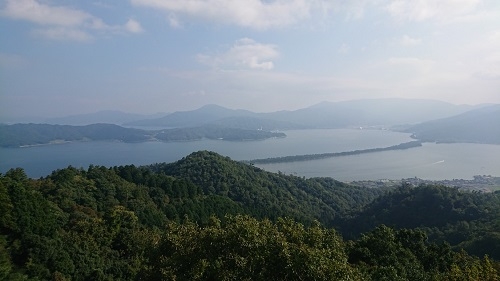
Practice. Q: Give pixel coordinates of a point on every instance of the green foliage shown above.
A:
(385, 254)
(268, 195)
(5, 261)
(244, 248)
(468, 220)
(209, 218)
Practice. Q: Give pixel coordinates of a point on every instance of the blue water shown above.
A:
(432, 161)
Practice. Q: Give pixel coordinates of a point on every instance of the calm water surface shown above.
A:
(432, 161)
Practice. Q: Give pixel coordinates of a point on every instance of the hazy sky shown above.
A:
(61, 57)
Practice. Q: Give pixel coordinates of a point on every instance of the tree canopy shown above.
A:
(207, 217)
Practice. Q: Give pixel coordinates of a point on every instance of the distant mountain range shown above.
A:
(218, 115)
(355, 113)
(376, 112)
(427, 120)
(204, 115)
(477, 126)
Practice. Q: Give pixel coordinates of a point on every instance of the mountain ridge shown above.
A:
(351, 113)
(192, 118)
(354, 113)
(477, 126)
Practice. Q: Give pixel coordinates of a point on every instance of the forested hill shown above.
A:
(478, 126)
(268, 195)
(469, 220)
(35, 134)
(206, 217)
(18, 135)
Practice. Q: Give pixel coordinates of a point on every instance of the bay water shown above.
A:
(431, 161)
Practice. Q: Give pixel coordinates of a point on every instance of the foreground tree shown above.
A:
(243, 248)
(388, 254)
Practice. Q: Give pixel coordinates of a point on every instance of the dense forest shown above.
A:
(206, 217)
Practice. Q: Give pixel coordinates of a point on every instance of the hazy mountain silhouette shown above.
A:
(480, 125)
(200, 116)
(376, 112)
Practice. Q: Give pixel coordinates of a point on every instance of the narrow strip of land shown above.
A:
(308, 157)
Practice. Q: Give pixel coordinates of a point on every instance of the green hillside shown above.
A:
(469, 220)
(207, 217)
(268, 195)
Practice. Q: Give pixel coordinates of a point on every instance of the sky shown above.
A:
(65, 57)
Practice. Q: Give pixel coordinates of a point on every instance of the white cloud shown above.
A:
(59, 22)
(133, 26)
(173, 21)
(245, 53)
(440, 10)
(409, 41)
(61, 33)
(258, 14)
(31, 10)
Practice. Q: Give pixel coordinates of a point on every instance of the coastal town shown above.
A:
(481, 183)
